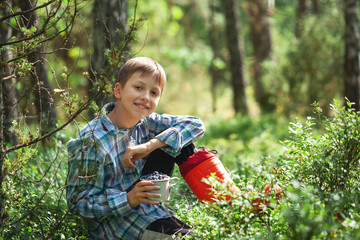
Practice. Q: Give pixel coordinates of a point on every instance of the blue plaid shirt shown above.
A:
(97, 181)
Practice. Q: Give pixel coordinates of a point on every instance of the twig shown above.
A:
(43, 137)
(26, 11)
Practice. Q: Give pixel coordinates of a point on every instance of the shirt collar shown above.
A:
(108, 124)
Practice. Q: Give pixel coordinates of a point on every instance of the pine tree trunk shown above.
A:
(2, 156)
(2, 173)
(234, 42)
(108, 16)
(352, 54)
(9, 106)
(261, 41)
(4, 34)
(300, 14)
(316, 7)
(44, 101)
(215, 73)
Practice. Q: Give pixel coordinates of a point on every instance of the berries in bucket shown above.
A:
(163, 181)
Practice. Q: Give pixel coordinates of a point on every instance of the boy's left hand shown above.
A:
(134, 153)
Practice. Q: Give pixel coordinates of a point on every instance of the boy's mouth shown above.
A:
(142, 106)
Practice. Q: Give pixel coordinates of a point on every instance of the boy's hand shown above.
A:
(132, 154)
(137, 152)
(140, 193)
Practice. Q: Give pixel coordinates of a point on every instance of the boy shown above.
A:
(110, 154)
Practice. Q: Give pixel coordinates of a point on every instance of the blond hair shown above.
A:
(144, 65)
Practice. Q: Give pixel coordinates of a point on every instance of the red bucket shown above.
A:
(203, 191)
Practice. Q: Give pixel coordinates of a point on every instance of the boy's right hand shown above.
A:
(140, 193)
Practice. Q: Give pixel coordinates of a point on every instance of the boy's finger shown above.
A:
(153, 195)
(132, 165)
(128, 164)
(148, 201)
(146, 186)
(151, 188)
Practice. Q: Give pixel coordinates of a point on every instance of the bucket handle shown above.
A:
(212, 151)
(174, 178)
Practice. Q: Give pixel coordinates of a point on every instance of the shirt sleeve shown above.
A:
(176, 131)
(86, 192)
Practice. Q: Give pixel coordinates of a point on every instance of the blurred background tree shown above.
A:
(39, 79)
(352, 53)
(260, 26)
(285, 70)
(236, 52)
(108, 19)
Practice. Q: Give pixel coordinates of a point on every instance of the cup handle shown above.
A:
(174, 178)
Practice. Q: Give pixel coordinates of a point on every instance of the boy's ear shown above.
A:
(117, 91)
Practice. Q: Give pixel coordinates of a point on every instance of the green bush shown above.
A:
(35, 200)
(330, 160)
(243, 139)
(318, 172)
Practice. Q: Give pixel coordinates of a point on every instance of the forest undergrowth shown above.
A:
(315, 161)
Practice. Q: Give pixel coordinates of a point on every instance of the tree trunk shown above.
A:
(2, 114)
(234, 42)
(352, 54)
(316, 7)
(2, 154)
(9, 106)
(300, 13)
(108, 16)
(215, 73)
(261, 41)
(44, 101)
(5, 33)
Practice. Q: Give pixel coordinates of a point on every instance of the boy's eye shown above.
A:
(138, 87)
(155, 93)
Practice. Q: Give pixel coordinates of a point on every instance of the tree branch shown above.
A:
(43, 137)
(26, 11)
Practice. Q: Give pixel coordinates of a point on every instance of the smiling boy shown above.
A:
(126, 141)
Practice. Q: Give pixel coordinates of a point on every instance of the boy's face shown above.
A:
(139, 97)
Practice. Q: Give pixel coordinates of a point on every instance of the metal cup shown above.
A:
(165, 186)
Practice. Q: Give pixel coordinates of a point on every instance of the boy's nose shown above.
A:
(146, 96)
